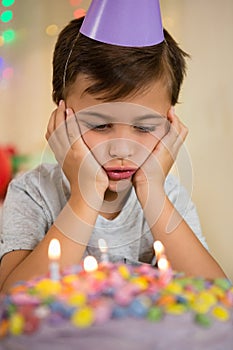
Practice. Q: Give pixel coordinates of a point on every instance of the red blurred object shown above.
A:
(5, 169)
(78, 13)
(75, 2)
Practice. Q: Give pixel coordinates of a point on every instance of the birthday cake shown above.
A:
(119, 306)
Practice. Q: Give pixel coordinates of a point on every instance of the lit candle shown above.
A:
(164, 269)
(163, 264)
(90, 263)
(159, 250)
(54, 253)
(103, 248)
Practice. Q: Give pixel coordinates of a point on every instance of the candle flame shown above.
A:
(158, 247)
(54, 251)
(90, 263)
(163, 264)
(102, 245)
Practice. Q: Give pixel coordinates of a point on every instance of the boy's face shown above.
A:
(121, 135)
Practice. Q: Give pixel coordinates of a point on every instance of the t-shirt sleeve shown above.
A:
(181, 200)
(24, 221)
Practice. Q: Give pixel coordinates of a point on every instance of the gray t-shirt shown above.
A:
(35, 198)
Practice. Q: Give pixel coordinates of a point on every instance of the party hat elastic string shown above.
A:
(68, 59)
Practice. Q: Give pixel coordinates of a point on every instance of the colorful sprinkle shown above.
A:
(83, 317)
(220, 313)
(16, 325)
(77, 299)
(203, 320)
(155, 314)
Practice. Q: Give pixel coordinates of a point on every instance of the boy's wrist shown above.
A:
(152, 200)
(85, 198)
(149, 193)
(75, 222)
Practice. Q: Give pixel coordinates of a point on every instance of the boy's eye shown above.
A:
(100, 127)
(144, 128)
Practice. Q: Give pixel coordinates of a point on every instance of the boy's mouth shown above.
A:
(120, 173)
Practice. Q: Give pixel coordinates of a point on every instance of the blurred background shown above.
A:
(204, 29)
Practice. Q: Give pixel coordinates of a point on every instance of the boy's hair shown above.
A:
(115, 72)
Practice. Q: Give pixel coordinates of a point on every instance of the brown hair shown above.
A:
(115, 71)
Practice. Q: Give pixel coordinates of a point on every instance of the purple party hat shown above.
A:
(134, 23)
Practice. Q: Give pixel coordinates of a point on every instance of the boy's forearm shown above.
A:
(72, 246)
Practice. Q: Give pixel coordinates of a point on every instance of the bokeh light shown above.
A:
(75, 2)
(8, 73)
(7, 3)
(79, 13)
(8, 35)
(52, 29)
(1, 63)
(6, 16)
(1, 41)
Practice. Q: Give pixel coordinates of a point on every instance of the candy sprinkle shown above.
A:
(4, 325)
(221, 313)
(83, 317)
(16, 324)
(155, 314)
(203, 320)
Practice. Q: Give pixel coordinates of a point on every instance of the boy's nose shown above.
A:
(121, 148)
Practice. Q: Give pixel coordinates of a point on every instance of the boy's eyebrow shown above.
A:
(108, 118)
(149, 116)
(95, 114)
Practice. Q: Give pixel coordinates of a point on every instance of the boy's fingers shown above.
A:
(175, 124)
(72, 127)
(184, 131)
(177, 133)
(174, 139)
(51, 124)
(60, 115)
(56, 119)
(56, 134)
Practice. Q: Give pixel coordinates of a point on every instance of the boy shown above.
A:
(115, 136)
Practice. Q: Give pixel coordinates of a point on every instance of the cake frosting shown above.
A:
(114, 294)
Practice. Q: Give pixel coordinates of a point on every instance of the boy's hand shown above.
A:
(154, 170)
(85, 175)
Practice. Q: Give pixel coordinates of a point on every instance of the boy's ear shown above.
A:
(173, 110)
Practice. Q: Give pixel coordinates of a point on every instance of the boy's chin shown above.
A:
(119, 186)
